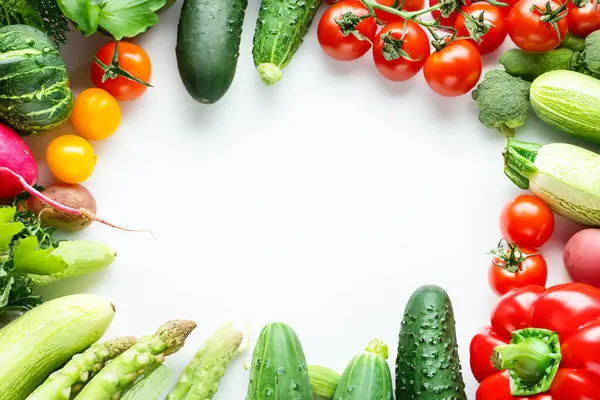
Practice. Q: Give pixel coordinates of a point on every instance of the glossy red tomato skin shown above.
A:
(584, 20)
(332, 40)
(496, 34)
(564, 308)
(447, 21)
(407, 5)
(527, 30)
(532, 271)
(454, 70)
(483, 344)
(416, 45)
(513, 310)
(527, 221)
(132, 59)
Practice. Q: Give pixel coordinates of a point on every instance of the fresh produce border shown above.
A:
(542, 343)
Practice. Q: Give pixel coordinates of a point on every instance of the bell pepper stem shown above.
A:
(532, 359)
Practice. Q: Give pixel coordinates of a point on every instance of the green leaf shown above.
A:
(5, 294)
(83, 13)
(7, 214)
(128, 18)
(7, 232)
(28, 259)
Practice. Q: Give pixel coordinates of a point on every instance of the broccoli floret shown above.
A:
(503, 101)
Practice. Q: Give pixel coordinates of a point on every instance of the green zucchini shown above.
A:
(323, 381)
(43, 339)
(568, 101)
(280, 30)
(428, 366)
(279, 369)
(208, 45)
(367, 376)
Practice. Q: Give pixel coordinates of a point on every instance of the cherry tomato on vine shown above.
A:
(514, 267)
(527, 29)
(584, 20)
(336, 27)
(71, 158)
(447, 21)
(496, 28)
(96, 114)
(454, 70)
(527, 221)
(132, 59)
(405, 5)
(406, 51)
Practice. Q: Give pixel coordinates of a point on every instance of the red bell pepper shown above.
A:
(542, 345)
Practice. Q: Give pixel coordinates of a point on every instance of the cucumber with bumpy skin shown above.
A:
(367, 376)
(280, 30)
(279, 369)
(428, 365)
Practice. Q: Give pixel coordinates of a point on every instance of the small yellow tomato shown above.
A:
(96, 114)
(70, 158)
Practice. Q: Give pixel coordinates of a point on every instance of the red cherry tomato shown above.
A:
(414, 42)
(405, 5)
(527, 29)
(133, 59)
(514, 267)
(496, 33)
(447, 21)
(454, 70)
(584, 20)
(527, 221)
(340, 43)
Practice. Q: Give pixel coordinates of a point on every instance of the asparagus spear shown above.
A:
(146, 353)
(200, 379)
(70, 378)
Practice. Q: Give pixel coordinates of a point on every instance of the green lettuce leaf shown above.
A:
(28, 259)
(8, 229)
(121, 18)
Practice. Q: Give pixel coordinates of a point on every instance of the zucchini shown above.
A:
(280, 30)
(568, 101)
(279, 369)
(367, 376)
(43, 339)
(323, 381)
(208, 46)
(565, 177)
(428, 366)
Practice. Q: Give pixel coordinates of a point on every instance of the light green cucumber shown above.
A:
(323, 381)
(43, 339)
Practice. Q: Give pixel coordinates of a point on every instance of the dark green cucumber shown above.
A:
(367, 376)
(281, 27)
(428, 365)
(208, 46)
(279, 369)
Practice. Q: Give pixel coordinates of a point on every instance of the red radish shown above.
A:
(18, 172)
(16, 156)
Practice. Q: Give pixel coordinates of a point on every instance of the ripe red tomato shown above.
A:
(527, 29)
(405, 5)
(496, 33)
(454, 70)
(527, 221)
(584, 20)
(515, 267)
(134, 60)
(391, 40)
(335, 30)
(447, 21)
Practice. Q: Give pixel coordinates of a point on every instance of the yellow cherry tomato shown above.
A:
(96, 114)
(70, 158)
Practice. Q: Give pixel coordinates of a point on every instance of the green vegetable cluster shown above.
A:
(44, 15)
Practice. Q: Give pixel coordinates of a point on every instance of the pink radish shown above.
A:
(18, 172)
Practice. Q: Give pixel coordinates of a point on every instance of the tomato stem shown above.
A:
(113, 70)
(371, 5)
(511, 255)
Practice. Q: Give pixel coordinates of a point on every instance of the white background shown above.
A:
(323, 201)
